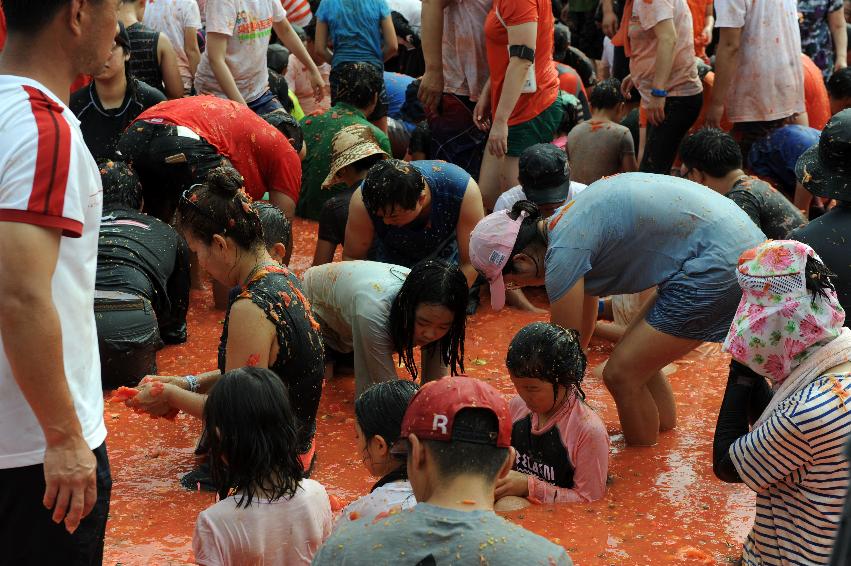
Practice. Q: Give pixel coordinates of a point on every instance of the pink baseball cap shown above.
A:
(490, 250)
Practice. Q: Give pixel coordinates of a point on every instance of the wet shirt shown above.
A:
(300, 363)
(816, 40)
(767, 207)
(335, 216)
(571, 83)
(144, 256)
(627, 233)
(144, 61)
(261, 154)
(173, 17)
(465, 62)
(596, 149)
(410, 244)
(396, 495)
(515, 194)
(354, 27)
(829, 235)
(318, 132)
(102, 127)
(774, 156)
(566, 458)
(431, 535)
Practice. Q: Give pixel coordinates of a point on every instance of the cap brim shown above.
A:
(497, 286)
(551, 195)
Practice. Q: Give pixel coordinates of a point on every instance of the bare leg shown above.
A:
(517, 299)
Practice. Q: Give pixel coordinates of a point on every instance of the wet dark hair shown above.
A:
(284, 122)
(24, 16)
(606, 94)
(430, 282)
(250, 423)
(548, 352)
(309, 31)
(392, 182)
(561, 41)
(220, 206)
(359, 83)
(839, 84)
(529, 235)
(276, 227)
(573, 114)
(121, 186)
(712, 151)
(456, 457)
(819, 278)
(380, 409)
(367, 162)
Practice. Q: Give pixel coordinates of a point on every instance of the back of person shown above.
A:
(144, 62)
(354, 27)
(828, 236)
(173, 17)
(407, 245)
(776, 214)
(596, 149)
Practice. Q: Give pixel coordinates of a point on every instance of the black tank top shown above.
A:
(144, 64)
(541, 455)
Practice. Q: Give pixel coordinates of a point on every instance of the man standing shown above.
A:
(54, 472)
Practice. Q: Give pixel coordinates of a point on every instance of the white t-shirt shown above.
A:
(465, 60)
(515, 194)
(285, 532)
(769, 83)
(172, 17)
(249, 25)
(48, 178)
(395, 495)
(411, 9)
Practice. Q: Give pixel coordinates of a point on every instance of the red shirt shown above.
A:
(513, 13)
(815, 94)
(262, 155)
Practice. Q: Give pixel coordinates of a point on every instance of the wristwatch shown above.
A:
(660, 92)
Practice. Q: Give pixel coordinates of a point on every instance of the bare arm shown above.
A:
(836, 21)
(666, 42)
(32, 341)
(391, 42)
(576, 310)
(190, 46)
(168, 66)
(726, 63)
(322, 51)
(359, 230)
(628, 163)
(515, 76)
(431, 35)
(217, 44)
(472, 210)
(294, 44)
(284, 202)
(610, 19)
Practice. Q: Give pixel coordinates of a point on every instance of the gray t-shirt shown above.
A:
(630, 232)
(351, 300)
(596, 149)
(426, 534)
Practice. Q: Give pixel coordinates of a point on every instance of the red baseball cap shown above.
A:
(431, 413)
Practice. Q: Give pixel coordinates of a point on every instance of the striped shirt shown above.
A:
(796, 464)
(298, 12)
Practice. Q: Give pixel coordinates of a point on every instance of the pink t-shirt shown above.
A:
(465, 61)
(298, 79)
(769, 82)
(642, 64)
(583, 438)
(285, 532)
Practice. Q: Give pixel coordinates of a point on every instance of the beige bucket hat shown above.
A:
(351, 144)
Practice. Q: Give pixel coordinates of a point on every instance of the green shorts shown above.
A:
(540, 129)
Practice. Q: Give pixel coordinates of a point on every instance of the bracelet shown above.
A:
(659, 92)
(192, 383)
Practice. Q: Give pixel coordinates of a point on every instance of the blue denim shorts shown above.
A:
(694, 309)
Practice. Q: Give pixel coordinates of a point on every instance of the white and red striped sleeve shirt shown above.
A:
(298, 12)
(48, 178)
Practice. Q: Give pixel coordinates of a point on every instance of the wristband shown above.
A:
(659, 92)
(522, 52)
(192, 383)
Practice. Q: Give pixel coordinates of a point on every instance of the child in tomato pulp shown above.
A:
(274, 515)
(379, 411)
(562, 445)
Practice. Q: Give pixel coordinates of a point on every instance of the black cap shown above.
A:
(123, 38)
(277, 57)
(544, 174)
(825, 169)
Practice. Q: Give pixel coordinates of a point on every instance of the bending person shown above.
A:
(623, 235)
(376, 310)
(268, 325)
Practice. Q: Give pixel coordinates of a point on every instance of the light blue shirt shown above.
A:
(355, 29)
(633, 231)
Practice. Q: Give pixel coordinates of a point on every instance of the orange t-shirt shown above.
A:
(815, 94)
(698, 18)
(513, 13)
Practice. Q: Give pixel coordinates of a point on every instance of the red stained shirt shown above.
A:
(262, 155)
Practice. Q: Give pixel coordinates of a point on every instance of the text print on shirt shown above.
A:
(249, 27)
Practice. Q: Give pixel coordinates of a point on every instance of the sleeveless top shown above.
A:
(433, 237)
(541, 455)
(301, 362)
(144, 64)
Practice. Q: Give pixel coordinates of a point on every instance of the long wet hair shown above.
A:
(430, 282)
(251, 436)
(220, 206)
(548, 352)
(529, 236)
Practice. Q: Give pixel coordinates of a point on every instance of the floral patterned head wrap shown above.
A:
(779, 323)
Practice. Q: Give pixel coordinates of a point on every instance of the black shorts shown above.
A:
(587, 34)
(128, 338)
(381, 106)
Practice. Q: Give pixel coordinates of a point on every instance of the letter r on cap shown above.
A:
(440, 422)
